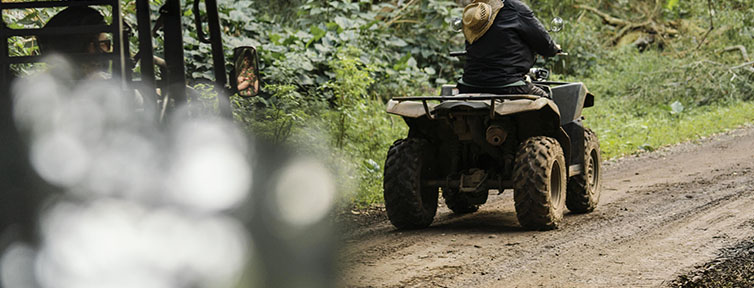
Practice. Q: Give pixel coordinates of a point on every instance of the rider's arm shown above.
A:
(535, 34)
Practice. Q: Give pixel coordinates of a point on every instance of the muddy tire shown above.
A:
(408, 204)
(460, 205)
(539, 180)
(584, 189)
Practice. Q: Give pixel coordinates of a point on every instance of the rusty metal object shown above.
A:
(496, 135)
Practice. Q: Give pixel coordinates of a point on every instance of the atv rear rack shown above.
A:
(466, 97)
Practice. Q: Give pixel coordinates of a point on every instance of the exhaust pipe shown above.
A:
(496, 135)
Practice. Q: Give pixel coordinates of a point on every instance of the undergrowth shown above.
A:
(621, 131)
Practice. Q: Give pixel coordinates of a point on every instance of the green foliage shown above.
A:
(350, 127)
(652, 78)
(275, 119)
(623, 131)
(671, 4)
(328, 66)
(349, 88)
(359, 126)
(584, 50)
(25, 46)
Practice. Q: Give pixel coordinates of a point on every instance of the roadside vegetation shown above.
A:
(663, 71)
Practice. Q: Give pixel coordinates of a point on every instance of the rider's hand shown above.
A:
(560, 51)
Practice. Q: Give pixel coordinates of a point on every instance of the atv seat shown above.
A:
(450, 90)
(514, 84)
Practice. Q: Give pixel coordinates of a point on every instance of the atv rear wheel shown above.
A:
(539, 179)
(584, 189)
(408, 204)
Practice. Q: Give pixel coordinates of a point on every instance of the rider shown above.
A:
(82, 49)
(502, 37)
(71, 45)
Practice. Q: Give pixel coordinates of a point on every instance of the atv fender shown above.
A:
(416, 109)
(565, 144)
(519, 106)
(571, 99)
(410, 109)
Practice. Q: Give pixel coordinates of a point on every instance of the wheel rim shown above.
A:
(419, 188)
(555, 181)
(593, 171)
(424, 193)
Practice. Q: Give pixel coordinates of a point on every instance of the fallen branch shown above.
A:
(711, 24)
(605, 17)
(700, 62)
(623, 31)
(407, 21)
(399, 13)
(649, 26)
(744, 65)
(740, 48)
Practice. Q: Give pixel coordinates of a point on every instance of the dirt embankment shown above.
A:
(661, 215)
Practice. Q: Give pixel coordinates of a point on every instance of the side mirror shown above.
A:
(556, 25)
(245, 77)
(456, 24)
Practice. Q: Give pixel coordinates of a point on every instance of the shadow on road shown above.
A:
(484, 222)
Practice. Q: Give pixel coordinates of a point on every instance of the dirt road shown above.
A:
(661, 214)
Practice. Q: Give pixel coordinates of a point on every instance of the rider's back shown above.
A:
(507, 50)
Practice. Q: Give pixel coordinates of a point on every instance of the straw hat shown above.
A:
(478, 17)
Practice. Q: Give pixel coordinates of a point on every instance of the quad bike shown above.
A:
(468, 144)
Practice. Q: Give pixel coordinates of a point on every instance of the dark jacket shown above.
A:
(507, 51)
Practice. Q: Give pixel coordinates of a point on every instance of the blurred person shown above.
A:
(502, 40)
(72, 45)
(77, 47)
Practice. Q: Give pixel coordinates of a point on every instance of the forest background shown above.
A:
(663, 71)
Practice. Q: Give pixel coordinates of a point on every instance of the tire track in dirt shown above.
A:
(660, 214)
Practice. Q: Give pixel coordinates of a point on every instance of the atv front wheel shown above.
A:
(539, 180)
(408, 204)
(584, 189)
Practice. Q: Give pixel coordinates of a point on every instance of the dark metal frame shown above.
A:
(176, 70)
(173, 33)
(22, 192)
(145, 48)
(218, 57)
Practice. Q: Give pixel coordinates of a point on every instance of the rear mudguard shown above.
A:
(416, 109)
